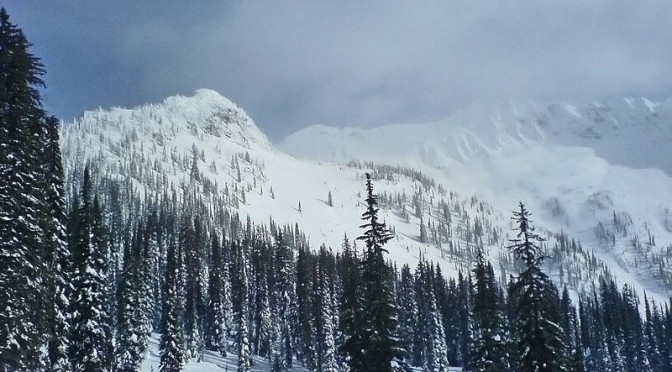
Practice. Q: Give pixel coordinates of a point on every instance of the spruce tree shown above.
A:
(132, 318)
(172, 354)
(437, 352)
(380, 350)
(489, 346)
(242, 316)
(570, 326)
(325, 345)
(190, 245)
(24, 270)
(304, 294)
(283, 273)
(408, 309)
(216, 325)
(350, 311)
(58, 256)
(540, 342)
(91, 333)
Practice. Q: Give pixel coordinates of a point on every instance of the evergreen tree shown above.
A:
(380, 347)
(132, 317)
(650, 342)
(172, 355)
(408, 310)
(23, 273)
(570, 326)
(350, 311)
(540, 343)
(326, 353)
(216, 324)
(190, 244)
(58, 255)
(241, 315)
(436, 350)
(304, 294)
(283, 274)
(489, 349)
(91, 337)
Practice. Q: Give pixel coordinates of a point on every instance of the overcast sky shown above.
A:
(362, 63)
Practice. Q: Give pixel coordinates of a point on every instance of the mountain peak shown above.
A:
(216, 115)
(206, 113)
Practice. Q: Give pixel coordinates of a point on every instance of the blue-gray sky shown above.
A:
(366, 63)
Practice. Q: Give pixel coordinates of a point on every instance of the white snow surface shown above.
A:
(574, 166)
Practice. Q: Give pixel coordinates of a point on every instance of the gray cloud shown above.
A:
(358, 63)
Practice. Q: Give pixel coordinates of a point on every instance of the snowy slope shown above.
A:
(574, 166)
(598, 173)
(151, 148)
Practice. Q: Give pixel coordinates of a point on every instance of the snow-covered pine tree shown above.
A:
(190, 245)
(570, 325)
(132, 328)
(304, 295)
(265, 321)
(350, 306)
(172, 354)
(436, 351)
(152, 255)
(241, 315)
(408, 309)
(650, 342)
(91, 336)
(540, 342)
(381, 350)
(23, 273)
(489, 350)
(261, 313)
(325, 334)
(429, 337)
(419, 336)
(283, 274)
(216, 324)
(58, 256)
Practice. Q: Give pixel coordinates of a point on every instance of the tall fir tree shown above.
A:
(58, 256)
(283, 274)
(242, 309)
(22, 194)
(381, 350)
(350, 308)
(570, 326)
(489, 350)
(436, 359)
(540, 341)
(216, 324)
(91, 334)
(132, 327)
(172, 353)
(190, 245)
(408, 310)
(306, 348)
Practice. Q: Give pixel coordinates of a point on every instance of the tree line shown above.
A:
(86, 277)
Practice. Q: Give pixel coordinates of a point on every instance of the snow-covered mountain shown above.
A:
(582, 169)
(598, 173)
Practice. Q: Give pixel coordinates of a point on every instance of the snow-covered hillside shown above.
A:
(596, 178)
(585, 170)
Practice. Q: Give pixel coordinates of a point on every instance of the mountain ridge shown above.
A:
(571, 189)
(478, 130)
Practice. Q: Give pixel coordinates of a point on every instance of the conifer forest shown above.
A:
(93, 267)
